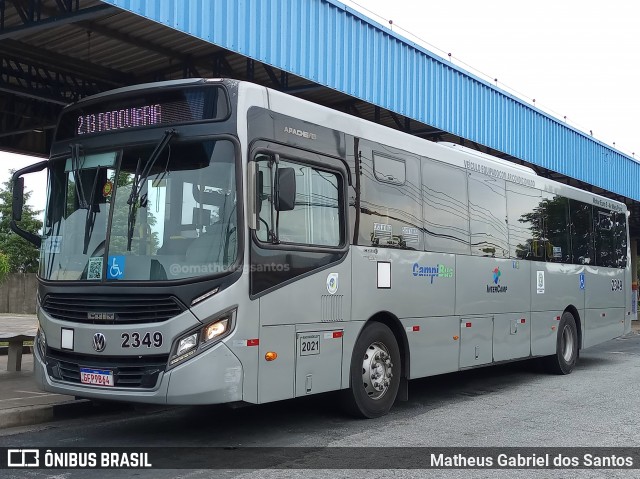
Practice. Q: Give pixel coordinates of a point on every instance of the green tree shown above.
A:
(22, 256)
(4, 266)
(548, 227)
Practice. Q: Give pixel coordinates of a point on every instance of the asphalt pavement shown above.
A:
(510, 405)
(23, 404)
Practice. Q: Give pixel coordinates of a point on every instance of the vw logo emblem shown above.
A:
(99, 342)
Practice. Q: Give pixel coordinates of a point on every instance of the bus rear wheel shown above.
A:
(567, 345)
(374, 373)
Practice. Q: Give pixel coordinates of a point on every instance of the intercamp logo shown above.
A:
(496, 275)
(496, 287)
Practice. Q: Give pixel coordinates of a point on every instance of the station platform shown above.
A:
(21, 402)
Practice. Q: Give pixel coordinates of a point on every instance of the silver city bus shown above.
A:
(215, 241)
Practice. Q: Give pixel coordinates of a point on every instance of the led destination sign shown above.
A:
(142, 109)
(148, 115)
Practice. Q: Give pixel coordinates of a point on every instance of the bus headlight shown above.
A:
(215, 330)
(196, 341)
(187, 344)
(184, 348)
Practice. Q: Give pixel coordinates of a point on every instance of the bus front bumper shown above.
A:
(212, 377)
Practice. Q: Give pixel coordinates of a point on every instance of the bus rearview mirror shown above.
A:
(285, 189)
(18, 199)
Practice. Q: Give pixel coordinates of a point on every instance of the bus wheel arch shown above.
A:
(576, 316)
(377, 368)
(563, 361)
(394, 324)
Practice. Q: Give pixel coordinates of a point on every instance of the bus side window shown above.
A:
(316, 217)
(389, 169)
(488, 216)
(391, 200)
(445, 207)
(581, 233)
(524, 221)
(605, 242)
(555, 212)
(620, 237)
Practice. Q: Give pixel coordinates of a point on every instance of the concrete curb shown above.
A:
(30, 415)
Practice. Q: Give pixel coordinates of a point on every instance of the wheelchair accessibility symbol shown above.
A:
(115, 268)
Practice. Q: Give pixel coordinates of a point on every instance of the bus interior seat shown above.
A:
(178, 245)
(157, 271)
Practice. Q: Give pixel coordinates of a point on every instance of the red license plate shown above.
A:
(98, 377)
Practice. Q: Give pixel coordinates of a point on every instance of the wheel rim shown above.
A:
(568, 344)
(377, 370)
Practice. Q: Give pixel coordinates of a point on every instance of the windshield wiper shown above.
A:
(140, 179)
(82, 199)
(92, 210)
(75, 168)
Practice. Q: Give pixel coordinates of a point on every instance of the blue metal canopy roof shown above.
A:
(338, 47)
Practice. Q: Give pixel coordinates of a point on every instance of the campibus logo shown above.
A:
(437, 271)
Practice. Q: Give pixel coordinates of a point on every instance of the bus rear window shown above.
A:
(140, 109)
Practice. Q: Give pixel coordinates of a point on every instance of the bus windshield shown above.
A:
(180, 221)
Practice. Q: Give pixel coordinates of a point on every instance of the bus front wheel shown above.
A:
(374, 373)
(566, 355)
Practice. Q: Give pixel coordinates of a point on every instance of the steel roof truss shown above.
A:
(33, 21)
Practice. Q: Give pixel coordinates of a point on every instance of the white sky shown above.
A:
(577, 58)
(35, 182)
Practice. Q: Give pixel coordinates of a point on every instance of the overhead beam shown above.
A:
(155, 75)
(27, 129)
(272, 76)
(396, 120)
(19, 114)
(220, 64)
(39, 82)
(26, 125)
(32, 94)
(58, 62)
(63, 18)
(427, 130)
(303, 88)
(133, 40)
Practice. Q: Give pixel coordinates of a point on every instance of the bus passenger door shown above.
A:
(300, 270)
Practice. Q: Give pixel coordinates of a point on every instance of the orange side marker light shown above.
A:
(271, 356)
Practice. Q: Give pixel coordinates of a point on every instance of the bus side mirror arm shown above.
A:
(18, 202)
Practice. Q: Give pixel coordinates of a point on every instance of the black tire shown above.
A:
(376, 345)
(567, 347)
